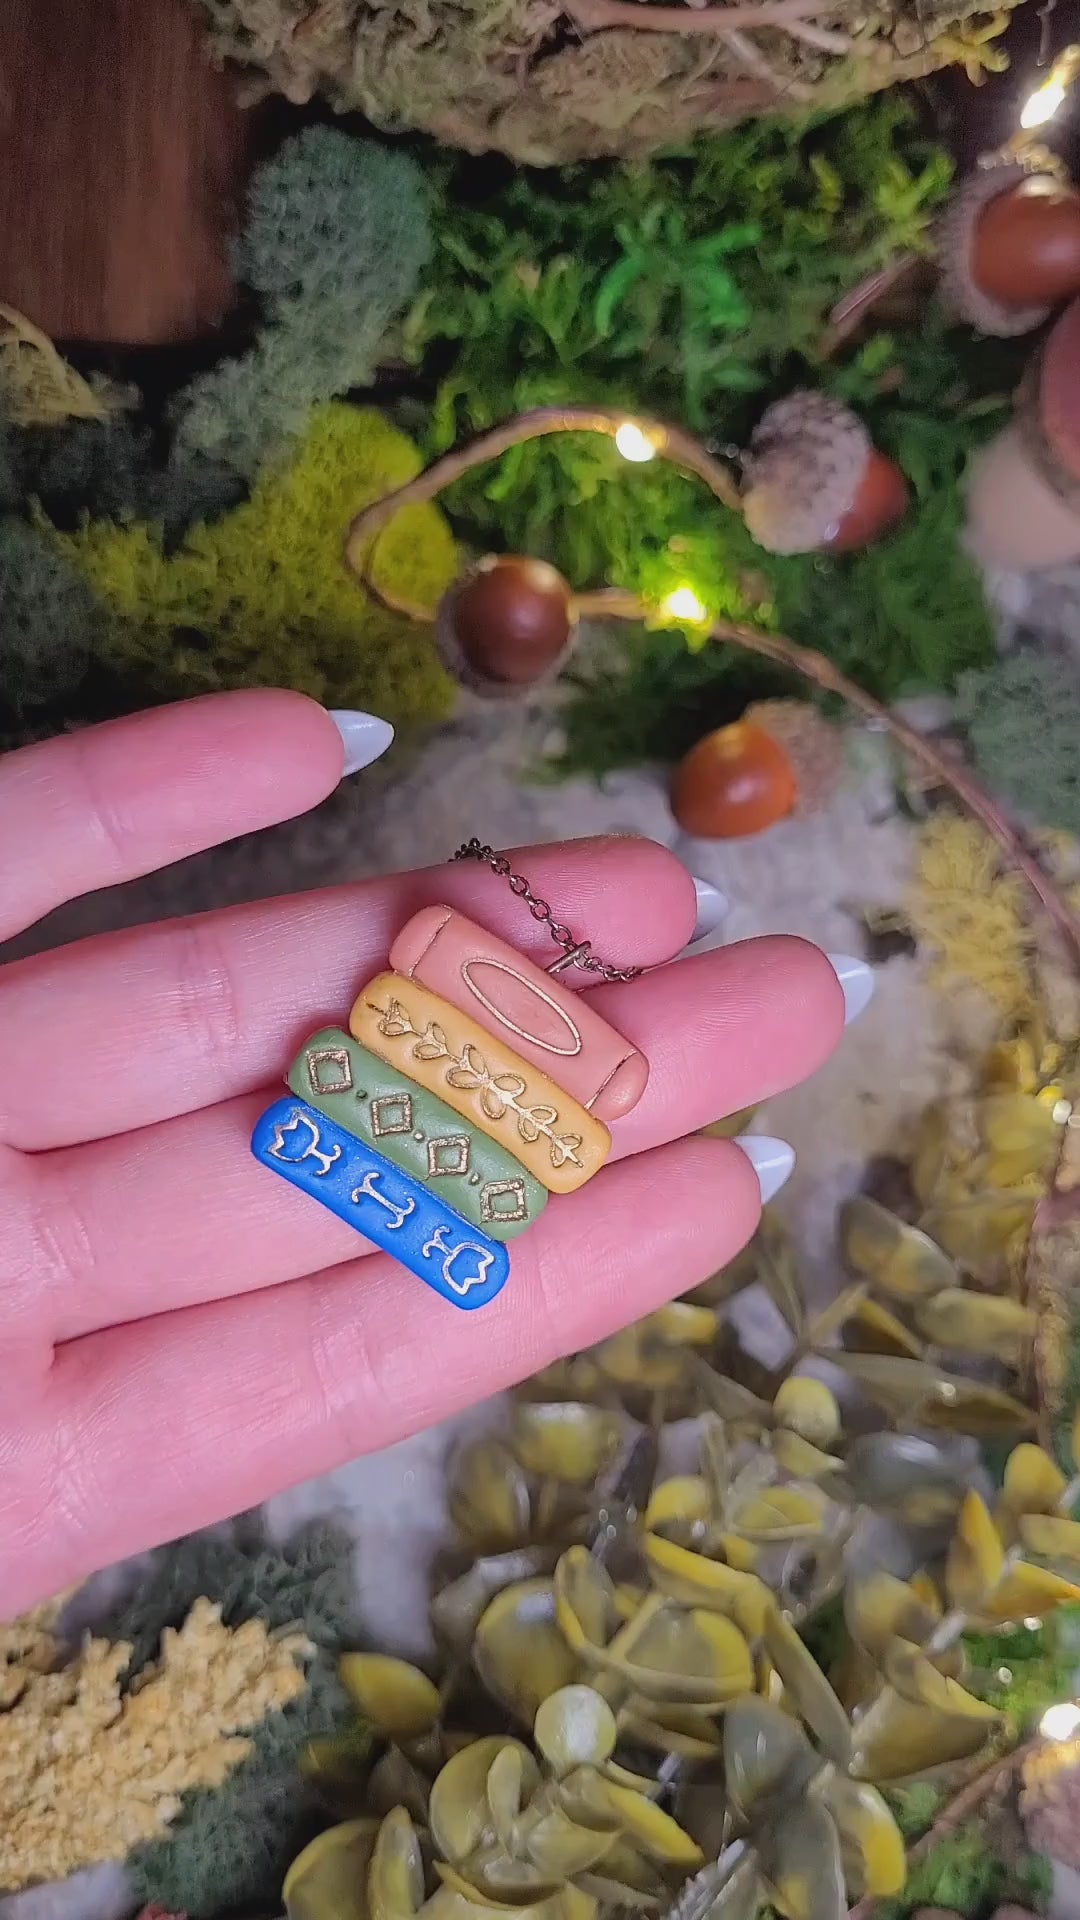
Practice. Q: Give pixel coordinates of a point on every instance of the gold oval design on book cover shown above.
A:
(548, 1046)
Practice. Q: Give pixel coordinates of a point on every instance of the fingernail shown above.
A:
(856, 983)
(363, 735)
(712, 906)
(772, 1161)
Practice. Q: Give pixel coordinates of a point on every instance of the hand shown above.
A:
(182, 1335)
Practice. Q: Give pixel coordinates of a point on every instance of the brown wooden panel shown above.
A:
(123, 153)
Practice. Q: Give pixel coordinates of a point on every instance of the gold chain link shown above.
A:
(575, 953)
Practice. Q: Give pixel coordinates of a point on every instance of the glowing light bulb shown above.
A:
(683, 604)
(634, 444)
(1041, 106)
(1060, 1722)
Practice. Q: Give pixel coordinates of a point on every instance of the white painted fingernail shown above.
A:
(856, 983)
(363, 735)
(712, 906)
(772, 1161)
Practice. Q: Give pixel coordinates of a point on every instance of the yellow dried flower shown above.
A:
(29, 1646)
(88, 1772)
(970, 912)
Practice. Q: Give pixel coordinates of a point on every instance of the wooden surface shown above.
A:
(123, 155)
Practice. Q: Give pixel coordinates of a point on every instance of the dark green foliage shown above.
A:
(965, 1873)
(915, 1807)
(339, 234)
(1023, 721)
(1022, 1671)
(112, 470)
(696, 288)
(672, 285)
(48, 622)
(651, 699)
(825, 1633)
(231, 1846)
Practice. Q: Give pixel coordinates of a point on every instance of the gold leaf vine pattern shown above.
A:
(499, 1092)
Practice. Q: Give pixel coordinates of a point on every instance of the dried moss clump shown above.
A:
(228, 1849)
(262, 597)
(548, 88)
(29, 1647)
(337, 235)
(971, 914)
(1023, 722)
(49, 624)
(87, 1772)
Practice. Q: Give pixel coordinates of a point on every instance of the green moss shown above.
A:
(230, 1847)
(915, 1807)
(1021, 1671)
(1023, 721)
(697, 287)
(262, 596)
(964, 1873)
(336, 236)
(49, 625)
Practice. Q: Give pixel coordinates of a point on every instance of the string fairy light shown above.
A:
(682, 603)
(1047, 99)
(634, 444)
(1060, 1721)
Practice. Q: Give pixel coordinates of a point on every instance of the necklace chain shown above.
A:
(575, 953)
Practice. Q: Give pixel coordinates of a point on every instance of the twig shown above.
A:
(852, 308)
(959, 1809)
(674, 443)
(827, 39)
(755, 62)
(594, 15)
(815, 667)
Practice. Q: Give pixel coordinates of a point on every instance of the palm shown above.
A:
(184, 1336)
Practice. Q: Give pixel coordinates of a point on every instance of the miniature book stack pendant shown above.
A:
(469, 1086)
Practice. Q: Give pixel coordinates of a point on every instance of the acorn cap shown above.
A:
(541, 629)
(956, 250)
(801, 472)
(815, 746)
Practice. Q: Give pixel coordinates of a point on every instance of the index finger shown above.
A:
(125, 1029)
(92, 809)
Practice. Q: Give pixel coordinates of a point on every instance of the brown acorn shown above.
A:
(735, 782)
(1009, 246)
(506, 626)
(1024, 487)
(1027, 244)
(813, 479)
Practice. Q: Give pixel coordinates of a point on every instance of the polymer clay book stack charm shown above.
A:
(470, 1085)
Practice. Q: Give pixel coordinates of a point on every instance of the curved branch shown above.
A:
(671, 443)
(615, 604)
(815, 667)
(749, 55)
(594, 15)
(675, 444)
(826, 39)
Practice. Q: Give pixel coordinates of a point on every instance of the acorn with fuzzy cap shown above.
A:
(814, 481)
(1009, 245)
